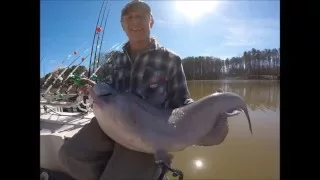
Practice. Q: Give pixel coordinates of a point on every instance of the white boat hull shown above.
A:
(54, 129)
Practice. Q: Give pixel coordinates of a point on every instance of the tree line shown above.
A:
(253, 64)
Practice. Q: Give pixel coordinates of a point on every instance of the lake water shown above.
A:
(241, 155)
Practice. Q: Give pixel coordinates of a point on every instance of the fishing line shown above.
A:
(58, 67)
(105, 22)
(71, 73)
(59, 77)
(102, 28)
(94, 74)
(76, 79)
(94, 36)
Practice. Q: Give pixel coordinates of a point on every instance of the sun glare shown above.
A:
(198, 164)
(194, 10)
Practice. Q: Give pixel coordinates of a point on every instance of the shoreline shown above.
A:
(251, 77)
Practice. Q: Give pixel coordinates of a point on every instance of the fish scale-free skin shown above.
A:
(137, 125)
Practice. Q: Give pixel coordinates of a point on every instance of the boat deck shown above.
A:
(54, 128)
(63, 124)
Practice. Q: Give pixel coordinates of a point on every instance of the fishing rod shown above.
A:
(43, 67)
(76, 79)
(41, 59)
(59, 76)
(96, 61)
(97, 31)
(99, 44)
(71, 73)
(44, 70)
(48, 78)
(58, 67)
(93, 76)
(105, 23)
(40, 68)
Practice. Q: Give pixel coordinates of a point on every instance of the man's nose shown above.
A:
(136, 20)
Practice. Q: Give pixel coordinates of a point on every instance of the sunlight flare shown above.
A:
(194, 10)
(198, 164)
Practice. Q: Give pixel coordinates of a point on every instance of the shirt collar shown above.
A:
(154, 44)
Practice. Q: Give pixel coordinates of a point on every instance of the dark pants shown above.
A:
(92, 155)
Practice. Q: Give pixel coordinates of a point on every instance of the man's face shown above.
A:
(137, 25)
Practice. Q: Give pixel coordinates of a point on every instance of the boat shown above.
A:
(55, 129)
(63, 114)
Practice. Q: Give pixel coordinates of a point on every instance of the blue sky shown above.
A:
(208, 28)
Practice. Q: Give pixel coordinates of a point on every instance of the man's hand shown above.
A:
(88, 84)
(87, 81)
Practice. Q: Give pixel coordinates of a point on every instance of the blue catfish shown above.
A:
(139, 126)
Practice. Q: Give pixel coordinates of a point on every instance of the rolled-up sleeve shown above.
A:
(178, 92)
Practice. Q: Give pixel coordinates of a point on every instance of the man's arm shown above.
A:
(178, 92)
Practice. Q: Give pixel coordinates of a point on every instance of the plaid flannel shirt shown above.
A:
(156, 75)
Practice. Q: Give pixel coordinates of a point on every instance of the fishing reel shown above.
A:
(94, 77)
(84, 101)
(76, 79)
(165, 168)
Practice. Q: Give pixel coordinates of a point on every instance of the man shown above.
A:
(148, 70)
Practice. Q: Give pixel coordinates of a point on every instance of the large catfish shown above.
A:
(137, 125)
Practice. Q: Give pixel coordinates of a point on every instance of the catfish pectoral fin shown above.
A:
(216, 135)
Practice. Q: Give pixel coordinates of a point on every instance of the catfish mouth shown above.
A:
(233, 112)
(106, 94)
(103, 95)
(97, 95)
(237, 111)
